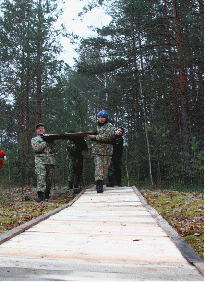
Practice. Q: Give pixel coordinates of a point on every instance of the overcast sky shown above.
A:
(73, 24)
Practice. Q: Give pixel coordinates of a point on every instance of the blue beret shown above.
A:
(103, 113)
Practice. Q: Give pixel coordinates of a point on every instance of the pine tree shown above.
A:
(29, 53)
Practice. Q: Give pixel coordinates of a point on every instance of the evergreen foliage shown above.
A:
(149, 49)
(145, 68)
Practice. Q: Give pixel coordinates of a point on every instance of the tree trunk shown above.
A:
(38, 68)
(145, 116)
(183, 92)
(174, 82)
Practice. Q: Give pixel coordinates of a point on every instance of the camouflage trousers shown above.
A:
(101, 166)
(44, 174)
(75, 170)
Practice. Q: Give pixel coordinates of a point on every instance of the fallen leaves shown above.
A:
(16, 208)
(184, 211)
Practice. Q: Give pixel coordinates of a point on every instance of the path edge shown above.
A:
(21, 228)
(186, 250)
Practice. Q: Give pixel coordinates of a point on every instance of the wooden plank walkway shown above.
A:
(110, 236)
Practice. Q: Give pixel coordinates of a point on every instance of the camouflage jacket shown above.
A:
(44, 150)
(105, 134)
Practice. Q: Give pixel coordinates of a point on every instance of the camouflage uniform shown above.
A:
(44, 162)
(103, 151)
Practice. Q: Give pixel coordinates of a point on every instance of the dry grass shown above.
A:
(18, 206)
(184, 211)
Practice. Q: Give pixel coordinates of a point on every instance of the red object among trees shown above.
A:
(2, 154)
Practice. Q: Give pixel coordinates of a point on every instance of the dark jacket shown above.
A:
(118, 146)
(79, 146)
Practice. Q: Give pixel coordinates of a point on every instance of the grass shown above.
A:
(18, 206)
(184, 211)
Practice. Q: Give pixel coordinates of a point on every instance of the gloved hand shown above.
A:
(92, 137)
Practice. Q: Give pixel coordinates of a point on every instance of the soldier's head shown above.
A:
(40, 128)
(120, 131)
(103, 116)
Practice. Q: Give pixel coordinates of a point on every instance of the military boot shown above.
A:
(40, 197)
(77, 188)
(99, 186)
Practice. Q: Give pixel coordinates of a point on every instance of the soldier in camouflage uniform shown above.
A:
(44, 162)
(75, 147)
(103, 148)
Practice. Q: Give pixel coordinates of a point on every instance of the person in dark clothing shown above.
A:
(75, 147)
(114, 172)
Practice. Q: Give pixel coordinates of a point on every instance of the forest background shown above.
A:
(145, 68)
